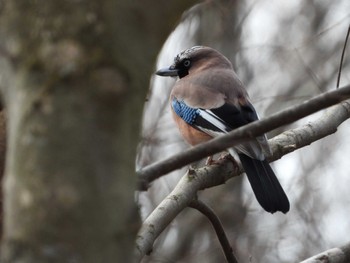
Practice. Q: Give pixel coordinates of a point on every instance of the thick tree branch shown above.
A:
(209, 176)
(219, 230)
(334, 255)
(182, 195)
(294, 139)
(154, 171)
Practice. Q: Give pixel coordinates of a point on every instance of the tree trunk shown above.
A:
(73, 78)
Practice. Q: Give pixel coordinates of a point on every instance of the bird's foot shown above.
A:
(228, 157)
(211, 161)
(223, 157)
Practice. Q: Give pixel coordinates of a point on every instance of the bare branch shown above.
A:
(209, 176)
(294, 139)
(334, 255)
(182, 195)
(219, 230)
(154, 171)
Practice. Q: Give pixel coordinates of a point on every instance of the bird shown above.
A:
(209, 100)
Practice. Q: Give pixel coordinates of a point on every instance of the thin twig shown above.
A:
(342, 57)
(252, 130)
(219, 229)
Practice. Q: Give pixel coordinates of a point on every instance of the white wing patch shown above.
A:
(252, 148)
(215, 120)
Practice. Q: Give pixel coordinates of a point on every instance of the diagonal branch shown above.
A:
(334, 255)
(182, 195)
(297, 138)
(219, 230)
(209, 176)
(291, 114)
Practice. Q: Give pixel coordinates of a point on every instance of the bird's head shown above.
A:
(194, 59)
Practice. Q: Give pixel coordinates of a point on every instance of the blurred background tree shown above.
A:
(285, 52)
(73, 78)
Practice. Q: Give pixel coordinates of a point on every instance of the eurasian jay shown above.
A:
(209, 100)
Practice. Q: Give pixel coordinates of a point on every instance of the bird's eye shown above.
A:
(187, 63)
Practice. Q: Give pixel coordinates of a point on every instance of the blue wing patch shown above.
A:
(223, 120)
(188, 114)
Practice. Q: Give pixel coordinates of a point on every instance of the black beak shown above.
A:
(167, 72)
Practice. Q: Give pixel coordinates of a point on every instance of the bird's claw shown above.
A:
(220, 160)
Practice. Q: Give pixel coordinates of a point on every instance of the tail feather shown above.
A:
(266, 187)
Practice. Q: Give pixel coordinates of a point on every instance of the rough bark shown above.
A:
(334, 255)
(73, 78)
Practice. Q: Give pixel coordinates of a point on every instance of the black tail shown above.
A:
(265, 184)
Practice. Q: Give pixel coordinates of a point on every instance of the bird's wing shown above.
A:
(221, 120)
